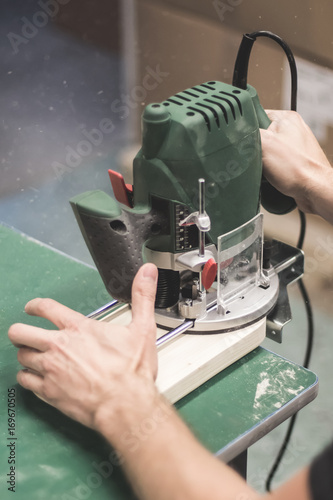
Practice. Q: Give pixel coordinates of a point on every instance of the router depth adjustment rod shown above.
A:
(205, 226)
(202, 221)
(196, 308)
(208, 273)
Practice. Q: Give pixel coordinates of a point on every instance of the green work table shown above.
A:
(59, 459)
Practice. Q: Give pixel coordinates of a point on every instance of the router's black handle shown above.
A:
(115, 239)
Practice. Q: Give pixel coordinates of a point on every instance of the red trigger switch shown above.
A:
(123, 192)
(209, 273)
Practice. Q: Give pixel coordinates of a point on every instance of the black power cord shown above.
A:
(240, 80)
(243, 57)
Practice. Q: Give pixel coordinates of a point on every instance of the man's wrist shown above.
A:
(319, 188)
(129, 419)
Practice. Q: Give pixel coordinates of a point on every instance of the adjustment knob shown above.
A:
(209, 273)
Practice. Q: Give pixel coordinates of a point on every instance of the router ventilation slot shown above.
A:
(199, 90)
(183, 97)
(190, 93)
(205, 116)
(216, 116)
(175, 102)
(236, 99)
(207, 86)
(228, 102)
(213, 104)
(222, 108)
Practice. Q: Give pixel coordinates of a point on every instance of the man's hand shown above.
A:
(88, 367)
(294, 162)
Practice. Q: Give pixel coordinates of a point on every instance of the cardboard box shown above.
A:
(306, 24)
(189, 41)
(94, 21)
(194, 49)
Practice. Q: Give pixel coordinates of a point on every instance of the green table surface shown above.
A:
(57, 458)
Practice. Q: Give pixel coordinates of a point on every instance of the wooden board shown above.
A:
(191, 359)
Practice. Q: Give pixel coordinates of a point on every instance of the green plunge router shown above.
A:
(194, 211)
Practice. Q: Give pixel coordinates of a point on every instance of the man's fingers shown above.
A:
(57, 313)
(30, 358)
(29, 336)
(143, 296)
(30, 381)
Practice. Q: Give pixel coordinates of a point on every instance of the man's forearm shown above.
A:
(321, 192)
(164, 461)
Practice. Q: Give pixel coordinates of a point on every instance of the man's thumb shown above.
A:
(143, 295)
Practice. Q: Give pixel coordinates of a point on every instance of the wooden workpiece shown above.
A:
(191, 359)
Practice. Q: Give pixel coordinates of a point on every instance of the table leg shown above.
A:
(239, 464)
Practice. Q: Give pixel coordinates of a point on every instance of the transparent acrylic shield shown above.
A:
(239, 262)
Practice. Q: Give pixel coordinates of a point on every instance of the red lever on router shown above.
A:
(123, 192)
(209, 273)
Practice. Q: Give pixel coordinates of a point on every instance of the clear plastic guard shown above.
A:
(240, 262)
